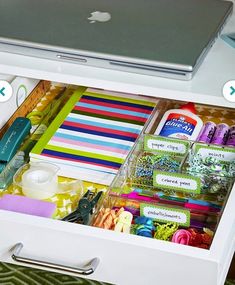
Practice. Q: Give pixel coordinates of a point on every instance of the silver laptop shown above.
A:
(166, 38)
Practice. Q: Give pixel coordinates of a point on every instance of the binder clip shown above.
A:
(85, 209)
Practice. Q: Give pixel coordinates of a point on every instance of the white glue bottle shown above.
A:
(180, 123)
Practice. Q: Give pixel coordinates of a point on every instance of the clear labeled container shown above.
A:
(167, 187)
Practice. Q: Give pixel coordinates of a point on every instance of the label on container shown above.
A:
(165, 214)
(223, 154)
(165, 145)
(176, 181)
(178, 126)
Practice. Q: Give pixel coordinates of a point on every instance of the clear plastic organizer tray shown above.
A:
(208, 114)
(42, 116)
(173, 184)
(190, 170)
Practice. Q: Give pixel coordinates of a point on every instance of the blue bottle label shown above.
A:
(179, 126)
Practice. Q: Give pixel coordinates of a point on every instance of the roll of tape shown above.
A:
(39, 183)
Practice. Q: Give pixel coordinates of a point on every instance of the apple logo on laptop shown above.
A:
(98, 16)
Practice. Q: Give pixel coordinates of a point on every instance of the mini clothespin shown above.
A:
(124, 222)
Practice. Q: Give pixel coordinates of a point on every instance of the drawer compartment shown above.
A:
(145, 260)
(159, 188)
(124, 259)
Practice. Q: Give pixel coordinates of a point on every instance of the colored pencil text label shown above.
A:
(176, 181)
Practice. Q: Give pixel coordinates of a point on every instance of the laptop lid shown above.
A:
(170, 34)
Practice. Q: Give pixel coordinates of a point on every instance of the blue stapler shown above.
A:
(12, 140)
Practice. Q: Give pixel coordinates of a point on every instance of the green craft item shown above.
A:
(165, 231)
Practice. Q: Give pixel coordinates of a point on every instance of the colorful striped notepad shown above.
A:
(92, 135)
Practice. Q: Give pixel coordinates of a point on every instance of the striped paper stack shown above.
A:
(93, 134)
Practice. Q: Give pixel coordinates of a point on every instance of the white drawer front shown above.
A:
(124, 259)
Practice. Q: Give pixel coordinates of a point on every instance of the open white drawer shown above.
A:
(126, 259)
(120, 258)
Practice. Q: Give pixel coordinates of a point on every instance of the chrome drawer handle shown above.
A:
(86, 270)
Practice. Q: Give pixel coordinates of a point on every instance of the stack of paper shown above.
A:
(93, 134)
